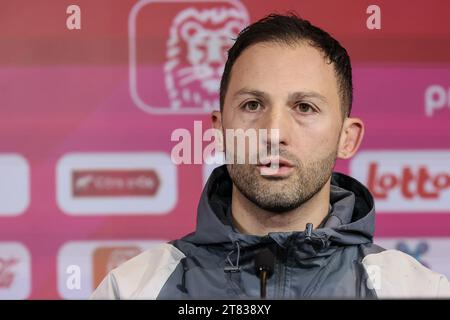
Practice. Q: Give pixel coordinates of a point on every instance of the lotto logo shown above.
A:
(405, 181)
(196, 37)
(411, 183)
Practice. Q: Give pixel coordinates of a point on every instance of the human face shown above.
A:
(292, 89)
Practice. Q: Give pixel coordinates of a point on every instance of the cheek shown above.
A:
(328, 140)
(328, 143)
(231, 120)
(238, 121)
(315, 140)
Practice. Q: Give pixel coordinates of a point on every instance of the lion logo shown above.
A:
(196, 55)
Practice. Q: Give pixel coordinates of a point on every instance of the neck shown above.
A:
(251, 219)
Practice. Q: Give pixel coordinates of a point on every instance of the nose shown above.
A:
(277, 118)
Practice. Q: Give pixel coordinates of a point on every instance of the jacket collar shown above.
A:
(351, 220)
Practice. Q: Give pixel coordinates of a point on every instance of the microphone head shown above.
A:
(264, 261)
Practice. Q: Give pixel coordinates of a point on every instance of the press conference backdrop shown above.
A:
(92, 90)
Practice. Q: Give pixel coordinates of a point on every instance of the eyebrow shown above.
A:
(298, 95)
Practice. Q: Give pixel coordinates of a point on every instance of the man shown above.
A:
(317, 226)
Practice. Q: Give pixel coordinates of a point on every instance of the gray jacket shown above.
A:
(334, 260)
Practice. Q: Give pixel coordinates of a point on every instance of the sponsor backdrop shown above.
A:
(91, 91)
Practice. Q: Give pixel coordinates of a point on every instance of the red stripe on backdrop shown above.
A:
(35, 33)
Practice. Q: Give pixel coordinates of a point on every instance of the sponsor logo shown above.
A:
(416, 252)
(411, 183)
(436, 98)
(405, 181)
(14, 184)
(92, 183)
(82, 265)
(15, 271)
(430, 252)
(199, 36)
(106, 259)
(116, 183)
(6, 273)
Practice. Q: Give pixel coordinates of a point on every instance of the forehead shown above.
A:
(280, 68)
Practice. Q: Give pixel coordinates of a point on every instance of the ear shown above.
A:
(352, 133)
(216, 118)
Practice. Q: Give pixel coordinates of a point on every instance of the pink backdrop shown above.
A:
(96, 102)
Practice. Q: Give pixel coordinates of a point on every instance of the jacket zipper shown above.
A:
(280, 291)
(280, 274)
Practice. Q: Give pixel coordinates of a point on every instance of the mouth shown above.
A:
(275, 167)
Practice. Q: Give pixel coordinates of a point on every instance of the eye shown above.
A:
(251, 106)
(304, 107)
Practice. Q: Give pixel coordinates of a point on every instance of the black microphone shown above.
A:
(264, 264)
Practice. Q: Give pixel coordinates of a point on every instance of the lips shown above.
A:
(276, 167)
(274, 161)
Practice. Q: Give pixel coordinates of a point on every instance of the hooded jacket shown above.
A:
(336, 259)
